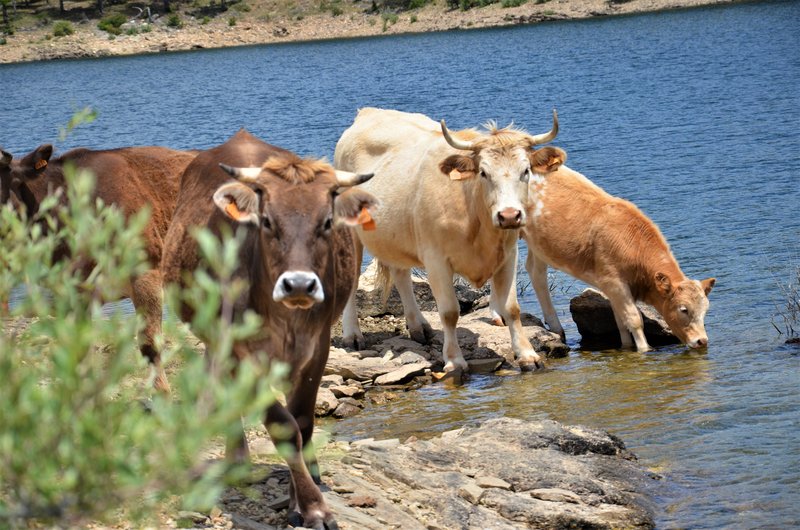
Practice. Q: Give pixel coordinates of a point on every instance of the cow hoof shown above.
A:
(423, 335)
(317, 523)
(497, 320)
(460, 365)
(531, 365)
(354, 343)
(295, 519)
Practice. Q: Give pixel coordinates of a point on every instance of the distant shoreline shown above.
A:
(38, 44)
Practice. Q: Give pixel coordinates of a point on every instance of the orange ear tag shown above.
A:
(554, 161)
(365, 220)
(40, 164)
(233, 211)
(456, 175)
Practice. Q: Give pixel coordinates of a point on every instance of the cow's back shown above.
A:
(577, 227)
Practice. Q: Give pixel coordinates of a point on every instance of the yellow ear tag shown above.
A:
(233, 211)
(456, 175)
(365, 220)
(40, 164)
(554, 161)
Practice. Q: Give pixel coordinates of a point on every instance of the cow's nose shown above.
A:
(509, 218)
(702, 342)
(298, 285)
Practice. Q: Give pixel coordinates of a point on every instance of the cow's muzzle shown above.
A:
(509, 218)
(699, 342)
(298, 289)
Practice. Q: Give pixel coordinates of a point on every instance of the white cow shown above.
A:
(450, 204)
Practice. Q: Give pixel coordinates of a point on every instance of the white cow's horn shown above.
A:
(458, 144)
(244, 174)
(548, 136)
(345, 178)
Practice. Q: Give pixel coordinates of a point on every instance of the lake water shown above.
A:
(693, 115)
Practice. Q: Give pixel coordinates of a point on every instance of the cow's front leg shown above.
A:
(307, 507)
(440, 277)
(537, 270)
(504, 282)
(628, 318)
(146, 295)
(494, 304)
(418, 327)
(351, 332)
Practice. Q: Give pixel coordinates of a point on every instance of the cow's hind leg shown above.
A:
(146, 295)
(351, 332)
(306, 500)
(504, 282)
(418, 327)
(537, 270)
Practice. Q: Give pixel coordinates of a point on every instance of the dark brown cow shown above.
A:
(131, 178)
(299, 261)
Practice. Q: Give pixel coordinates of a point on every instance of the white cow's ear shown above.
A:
(353, 208)
(547, 159)
(238, 202)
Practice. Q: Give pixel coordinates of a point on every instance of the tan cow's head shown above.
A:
(684, 308)
(296, 206)
(503, 160)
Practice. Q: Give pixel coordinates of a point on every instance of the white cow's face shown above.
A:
(504, 174)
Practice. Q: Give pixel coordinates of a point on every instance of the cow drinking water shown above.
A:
(299, 261)
(575, 226)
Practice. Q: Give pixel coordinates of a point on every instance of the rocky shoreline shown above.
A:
(37, 44)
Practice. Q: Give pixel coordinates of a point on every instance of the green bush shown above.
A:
(75, 443)
(111, 24)
(388, 20)
(205, 20)
(133, 30)
(232, 21)
(62, 28)
(3, 41)
(513, 3)
(174, 21)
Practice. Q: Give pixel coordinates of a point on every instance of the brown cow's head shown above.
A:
(297, 206)
(684, 308)
(15, 176)
(504, 160)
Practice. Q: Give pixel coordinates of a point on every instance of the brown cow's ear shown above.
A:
(41, 156)
(5, 158)
(708, 284)
(663, 285)
(547, 159)
(458, 167)
(353, 208)
(238, 202)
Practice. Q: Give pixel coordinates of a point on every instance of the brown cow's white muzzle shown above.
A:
(509, 218)
(699, 342)
(298, 289)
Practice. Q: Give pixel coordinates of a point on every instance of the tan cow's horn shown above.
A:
(245, 174)
(548, 136)
(345, 178)
(458, 144)
(5, 158)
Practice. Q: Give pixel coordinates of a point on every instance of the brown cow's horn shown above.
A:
(346, 178)
(245, 174)
(458, 144)
(548, 136)
(5, 158)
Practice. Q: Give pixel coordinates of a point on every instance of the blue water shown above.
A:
(693, 115)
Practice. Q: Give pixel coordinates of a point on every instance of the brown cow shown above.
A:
(609, 243)
(131, 178)
(300, 264)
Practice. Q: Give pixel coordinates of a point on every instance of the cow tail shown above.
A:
(383, 279)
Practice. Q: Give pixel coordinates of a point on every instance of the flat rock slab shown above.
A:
(524, 475)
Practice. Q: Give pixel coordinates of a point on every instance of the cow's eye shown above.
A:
(328, 224)
(526, 175)
(265, 223)
(683, 309)
(482, 173)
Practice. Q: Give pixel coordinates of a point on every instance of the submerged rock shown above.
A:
(592, 313)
